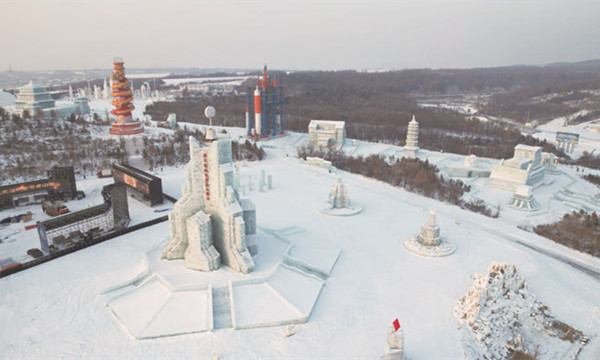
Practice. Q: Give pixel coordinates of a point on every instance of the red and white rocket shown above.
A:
(257, 112)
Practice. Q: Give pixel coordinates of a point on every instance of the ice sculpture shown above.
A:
(339, 203)
(429, 242)
(412, 138)
(394, 345)
(210, 225)
(430, 232)
(338, 197)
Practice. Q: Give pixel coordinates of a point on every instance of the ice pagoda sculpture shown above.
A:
(429, 241)
(210, 225)
(523, 199)
(339, 203)
(412, 138)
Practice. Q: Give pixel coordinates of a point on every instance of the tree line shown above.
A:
(577, 230)
(30, 145)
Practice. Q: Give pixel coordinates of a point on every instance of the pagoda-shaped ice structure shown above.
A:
(412, 138)
(429, 241)
(430, 232)
(523, 199)
(210, 224)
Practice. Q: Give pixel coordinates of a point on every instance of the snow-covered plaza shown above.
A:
(95, 302)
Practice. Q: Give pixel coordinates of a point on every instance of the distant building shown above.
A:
(81, 105)
(65, 230)
(327, 133)
(60, 184)
(35, 99)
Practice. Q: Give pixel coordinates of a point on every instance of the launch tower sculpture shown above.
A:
(123, 103)
(264, 108)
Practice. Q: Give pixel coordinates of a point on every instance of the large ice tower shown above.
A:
(210, 225)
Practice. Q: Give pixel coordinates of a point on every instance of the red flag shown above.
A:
(396, 324)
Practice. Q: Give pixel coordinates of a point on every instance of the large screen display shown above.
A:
(131, 181)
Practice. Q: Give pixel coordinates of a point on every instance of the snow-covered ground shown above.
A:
(59, 309)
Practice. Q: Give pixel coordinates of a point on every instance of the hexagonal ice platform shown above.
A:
(167, 299)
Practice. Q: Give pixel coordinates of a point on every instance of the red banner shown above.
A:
(396, 324)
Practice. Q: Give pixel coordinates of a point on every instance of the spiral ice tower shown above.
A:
(123, 102)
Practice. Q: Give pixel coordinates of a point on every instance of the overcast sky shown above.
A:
(302, 35)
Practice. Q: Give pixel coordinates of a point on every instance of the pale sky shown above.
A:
(299, 35)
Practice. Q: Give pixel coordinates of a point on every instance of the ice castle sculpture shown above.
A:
(210, 225)
(339, 203)
(429, 241)
(524, 168)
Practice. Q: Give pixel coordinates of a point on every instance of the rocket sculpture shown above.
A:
(266, 107)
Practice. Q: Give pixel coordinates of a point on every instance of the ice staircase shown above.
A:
(221, 308)
(577, 200)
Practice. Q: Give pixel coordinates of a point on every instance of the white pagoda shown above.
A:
(412, 138)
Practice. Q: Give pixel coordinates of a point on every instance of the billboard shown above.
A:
(29, 186)
(144, 183)
(131, 181)
(568, 137)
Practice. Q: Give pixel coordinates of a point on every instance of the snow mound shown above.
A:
(499, 318)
